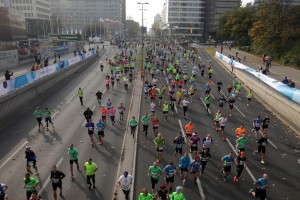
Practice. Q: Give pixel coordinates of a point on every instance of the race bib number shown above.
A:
(160, 148)
(30, 163)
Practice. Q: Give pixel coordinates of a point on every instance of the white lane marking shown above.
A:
(13, 154)
(239, 110)
(198, 180)
(176, 109)
(269, 141)
(248, 170)
(205, 105)
(84, 122)
(48, 178)
(212, 95)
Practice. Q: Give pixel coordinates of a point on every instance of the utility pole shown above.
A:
(143, 31)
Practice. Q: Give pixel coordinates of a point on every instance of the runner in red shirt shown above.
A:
(155, 122)
(179, 83)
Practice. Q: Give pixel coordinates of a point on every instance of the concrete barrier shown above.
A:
(17, 101)
(287, 110)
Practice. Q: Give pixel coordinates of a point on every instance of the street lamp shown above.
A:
(142, 30)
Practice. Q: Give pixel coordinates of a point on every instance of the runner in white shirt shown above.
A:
(207, 142)
(118, 77)
(152, 107)
(125, 182)
(185, 104)
(223, 120)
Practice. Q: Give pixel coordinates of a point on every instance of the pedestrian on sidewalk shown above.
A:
(90, 168)
(125, 182)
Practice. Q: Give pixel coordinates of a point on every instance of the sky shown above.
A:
(133, 10)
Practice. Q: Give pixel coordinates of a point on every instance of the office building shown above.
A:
(37, 15)
(196, 19)
(76, 16)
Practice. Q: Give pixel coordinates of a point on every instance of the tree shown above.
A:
(273, 27)
(132, 29)
(234, 25)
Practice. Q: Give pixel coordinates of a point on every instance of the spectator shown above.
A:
(8, 74)
(285, 80)
(291, 83)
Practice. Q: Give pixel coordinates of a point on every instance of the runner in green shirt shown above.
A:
(38, 114)
(155, 172)
(90, 168)
(249, 97)
(80, 95)
(159, 142)
(48, 119)
(165, 110)
(145, 195)
(30, 185)
(145, 121)
(207, 100)
(73, 153)
(133, 124)
(241, 143)
(178, 195)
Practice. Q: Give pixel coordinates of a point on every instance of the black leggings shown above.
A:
(88, 179)
(239, 170)
(203, 163)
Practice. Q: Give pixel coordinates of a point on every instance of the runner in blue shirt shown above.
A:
(196, 167)
(261, 186)
(184, 165)
(91, 127)
(256, 126)
(100, 127)
(170, 171)
(227, 162)
(178, 141)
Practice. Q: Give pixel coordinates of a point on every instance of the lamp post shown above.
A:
(142, 31)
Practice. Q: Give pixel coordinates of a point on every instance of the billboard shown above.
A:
(12, 25)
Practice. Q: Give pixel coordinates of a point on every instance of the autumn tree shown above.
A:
(234, 25)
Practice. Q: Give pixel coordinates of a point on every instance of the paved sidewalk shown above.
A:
(277, 71)
(26, 67)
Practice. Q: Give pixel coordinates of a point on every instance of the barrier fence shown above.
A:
(13, 84)
(291, 93)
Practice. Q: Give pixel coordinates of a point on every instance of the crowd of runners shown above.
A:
(182, 68)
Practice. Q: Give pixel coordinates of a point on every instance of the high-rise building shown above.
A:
(214, 9)
(194, 18)
(76, 16)
(157, 18)
(36, 12)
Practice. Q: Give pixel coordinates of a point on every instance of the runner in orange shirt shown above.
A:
(240, 131)
(104, 112)
(189, 128)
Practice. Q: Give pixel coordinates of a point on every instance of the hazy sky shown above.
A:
(155, 6)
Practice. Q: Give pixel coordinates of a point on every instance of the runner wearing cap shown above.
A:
(3, 188)
(193, 142)
(31, 160)
(125, 182)
(178, 195)
(240, 162)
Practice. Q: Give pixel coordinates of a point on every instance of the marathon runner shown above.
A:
(73, 153)
(155, 172)
(56, 177)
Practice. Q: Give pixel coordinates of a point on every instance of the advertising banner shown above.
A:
(291, 93)
(60, 45)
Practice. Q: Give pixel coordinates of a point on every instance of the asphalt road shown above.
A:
(51, 146)
(282, 158)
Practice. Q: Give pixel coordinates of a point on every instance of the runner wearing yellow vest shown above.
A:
(165, 110)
